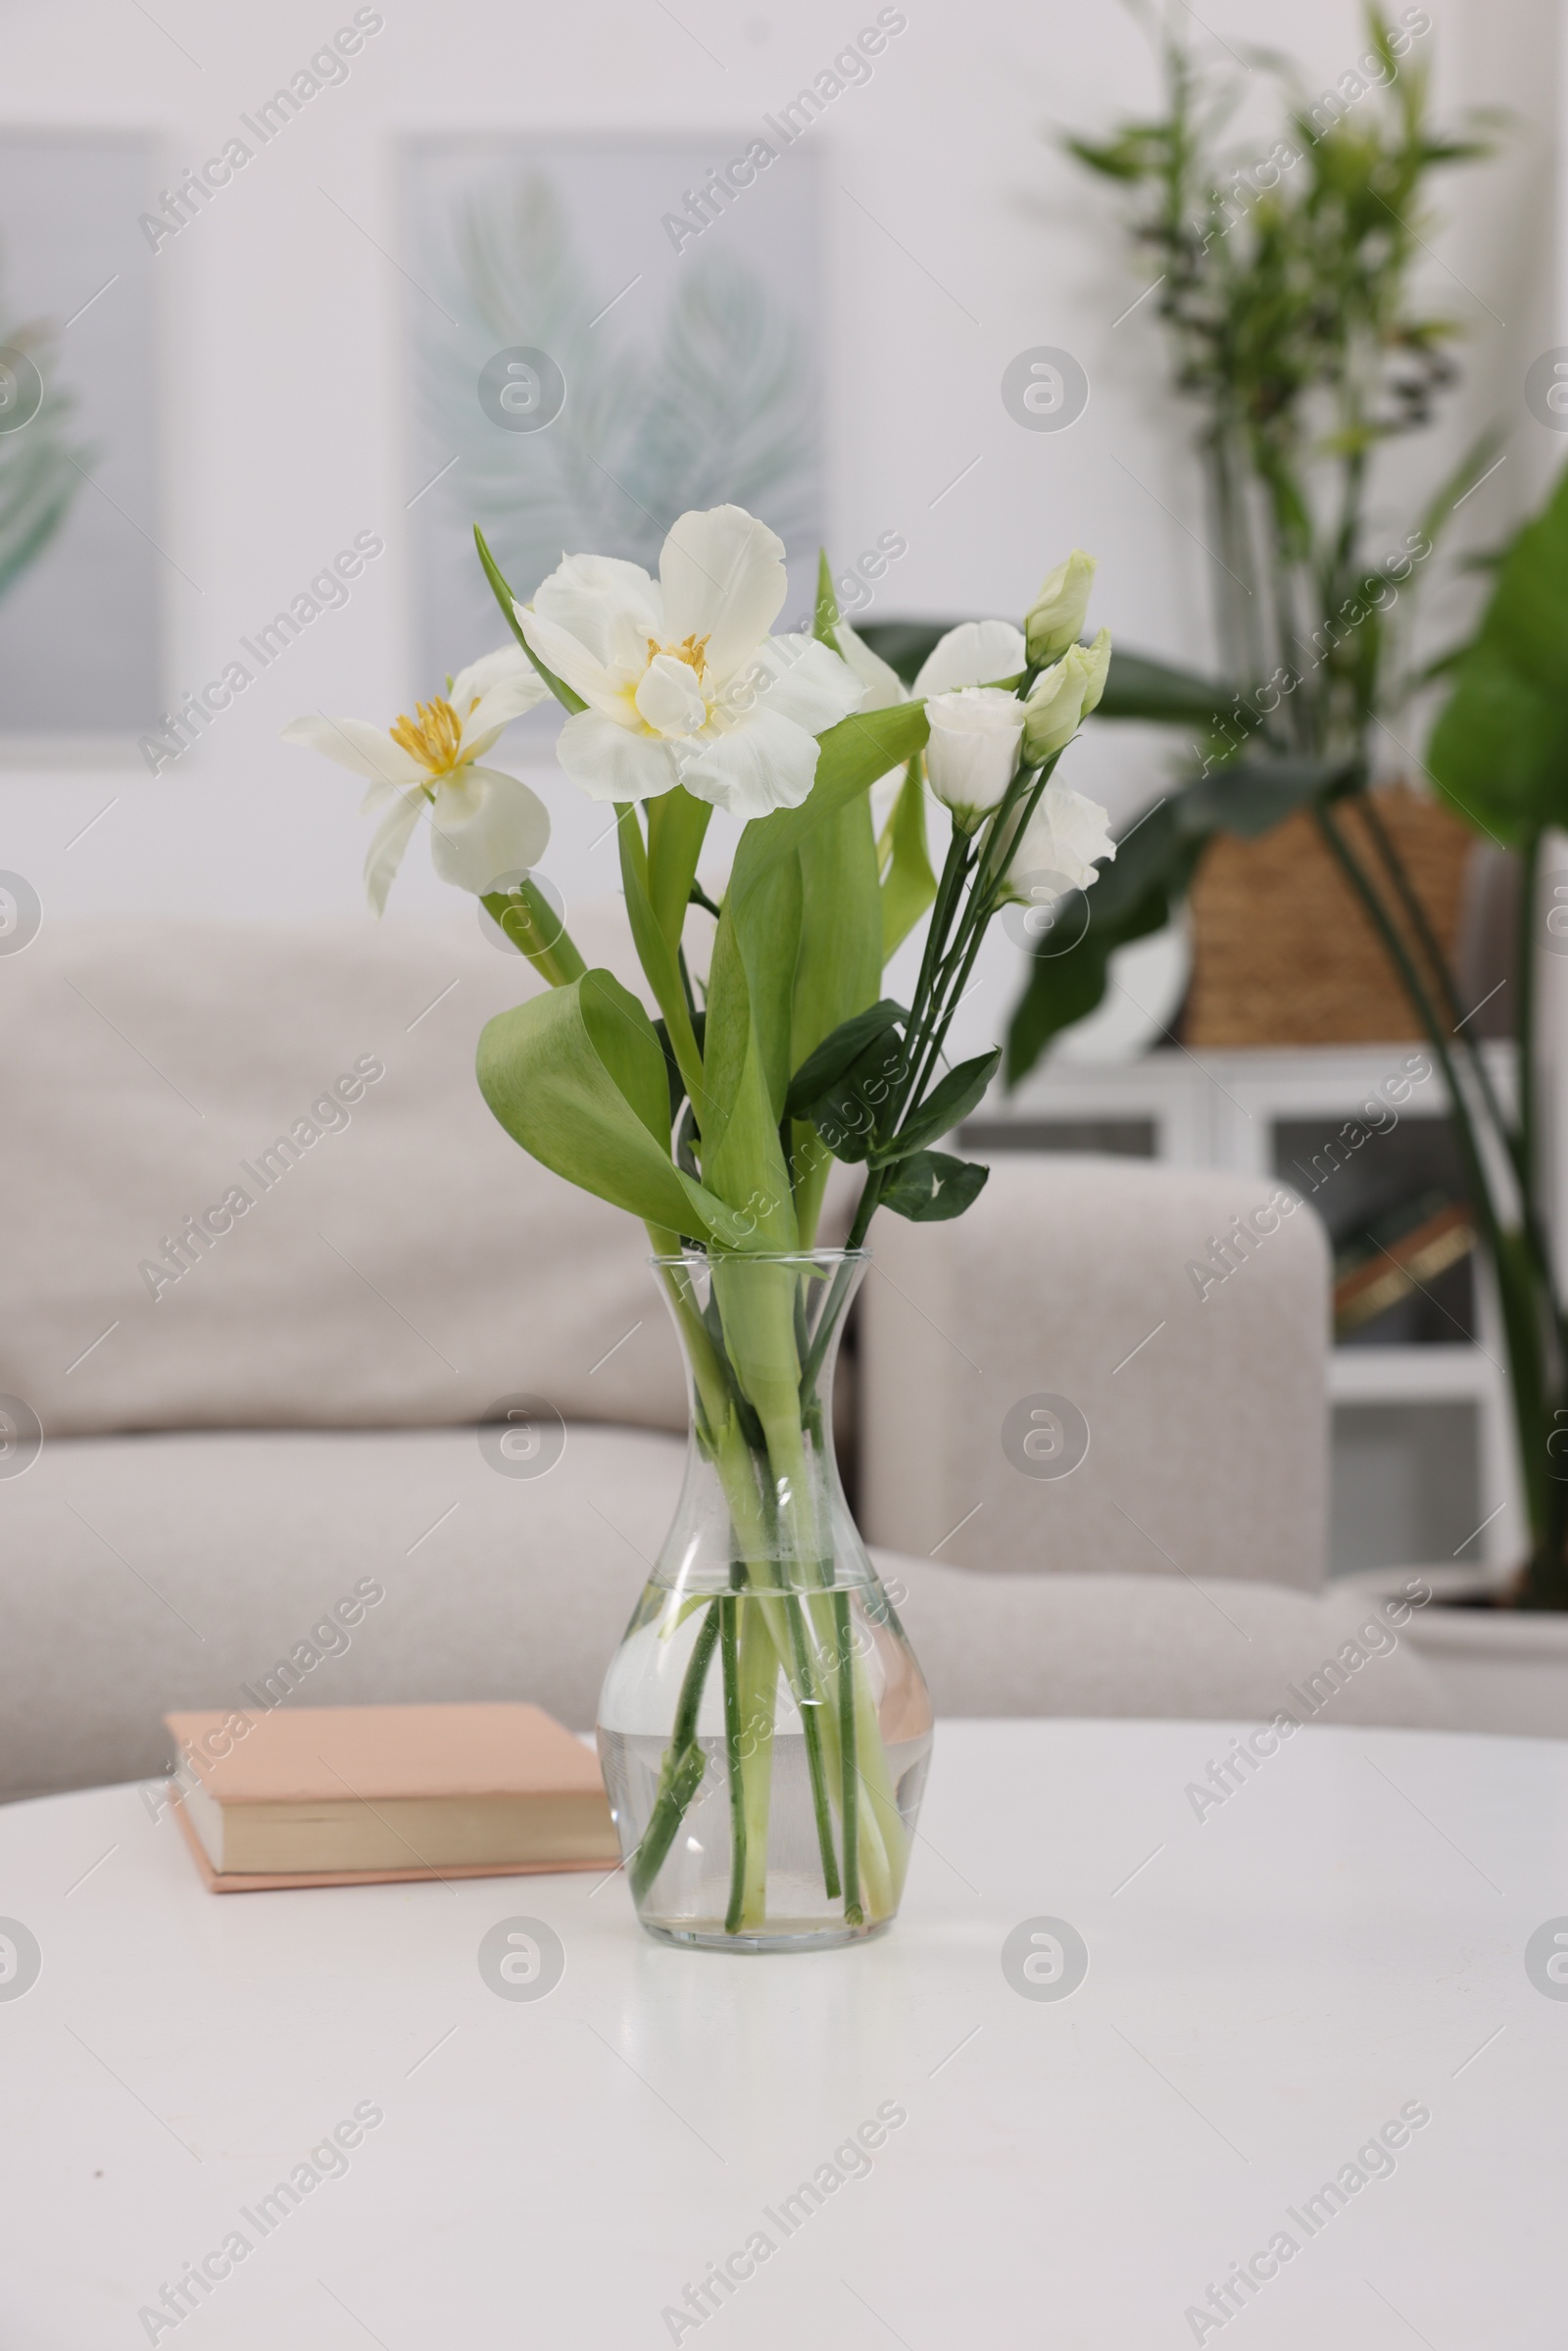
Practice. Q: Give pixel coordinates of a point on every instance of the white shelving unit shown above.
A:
(1224, 1109)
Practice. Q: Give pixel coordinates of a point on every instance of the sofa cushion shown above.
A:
(147, 1572)
(1160, 1645)
(389, 1258)
(143, 1572)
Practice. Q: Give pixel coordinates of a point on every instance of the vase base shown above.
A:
(831, 1936)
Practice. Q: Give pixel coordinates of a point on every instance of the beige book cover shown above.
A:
(323, 1795)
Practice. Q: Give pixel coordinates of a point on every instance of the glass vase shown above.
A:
(764, 1728)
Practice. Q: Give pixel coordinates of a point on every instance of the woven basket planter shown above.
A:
(1281, 951)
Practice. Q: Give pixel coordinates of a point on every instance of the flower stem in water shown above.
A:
(849, 1762)
(729, 1650)
(683, 1764)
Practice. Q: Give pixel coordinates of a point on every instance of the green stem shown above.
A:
(952, 970)
(812, 1731)
(773, 1504)
(1426, 1012)
(1521, 1334)
(789, 1477)
(759, 1669)
(1438, 964)
(729, 1639)
(525, 916)
(1525, 1024)
(683, 1765)
(1518, 1137)
(851, 1796)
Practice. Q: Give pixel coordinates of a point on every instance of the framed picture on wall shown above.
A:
(602, 332)
(81, 573)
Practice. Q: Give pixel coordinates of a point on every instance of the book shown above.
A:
(333, 1795)
(1399, 1254)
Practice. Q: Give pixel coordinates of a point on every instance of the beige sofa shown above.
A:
(271, 1278)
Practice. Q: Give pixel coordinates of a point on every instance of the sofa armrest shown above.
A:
(1195, 1438)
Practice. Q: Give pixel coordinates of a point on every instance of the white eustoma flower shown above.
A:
(484, 823)
(1055, 618)
(974, 654)
(684, 683)
(977, 653)
(972, 754)
(1057, 848)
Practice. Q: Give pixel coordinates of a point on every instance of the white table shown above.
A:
(1343, 1939)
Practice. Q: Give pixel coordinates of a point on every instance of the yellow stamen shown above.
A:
(434, 737)
(692, 651)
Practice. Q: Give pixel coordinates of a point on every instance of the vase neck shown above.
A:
(763, 1506)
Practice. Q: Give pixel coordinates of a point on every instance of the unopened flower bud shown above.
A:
(1064, 696)
(1055, 618)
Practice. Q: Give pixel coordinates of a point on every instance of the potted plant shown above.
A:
(1281, 275)
(1498, 754)
(1283, 278)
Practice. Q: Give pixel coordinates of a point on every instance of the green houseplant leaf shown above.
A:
(1499, 750)
(1156, 860)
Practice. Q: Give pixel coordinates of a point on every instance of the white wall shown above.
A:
(284, 380)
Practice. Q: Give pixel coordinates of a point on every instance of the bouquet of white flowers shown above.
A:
(774, 1807)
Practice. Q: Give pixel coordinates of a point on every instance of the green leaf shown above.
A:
(677, 824)
(622, 1034)
(1156, 860)
(839, 968)
(655, 953)
(931, 1187)
(943, 1109)
(1470, 472)
(825, 612)
(563, 693)
(1161, 693)
(576, 1077)
(770, 924)
(1249, 796)
(851, 756)
(741, 1157)
(846, 1113)
(1498, 753)
(677, 1084)
(908, 884)
(838, 1052)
